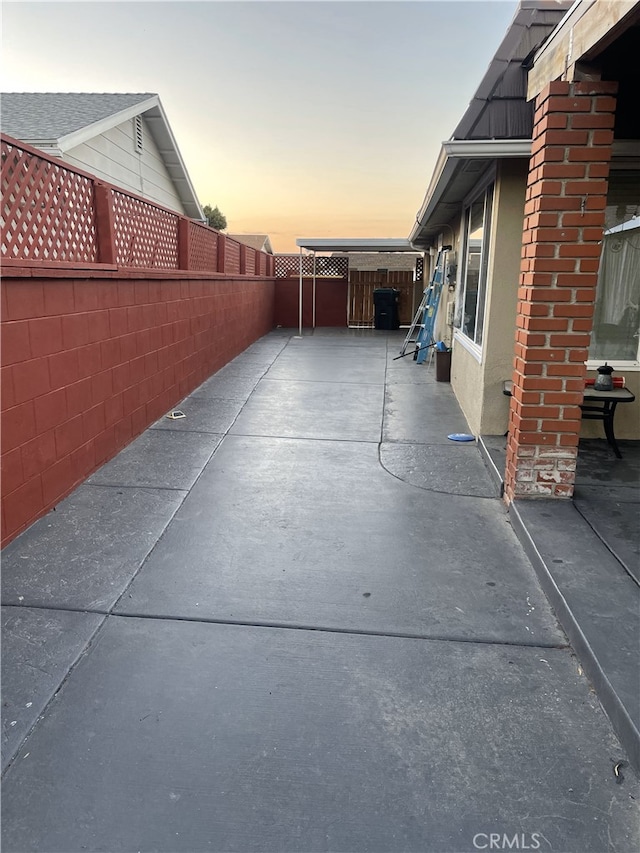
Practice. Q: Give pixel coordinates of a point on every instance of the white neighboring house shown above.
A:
(124, 139)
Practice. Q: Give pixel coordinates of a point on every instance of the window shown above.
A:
(616, 326)
(473, 269)
(616, 323)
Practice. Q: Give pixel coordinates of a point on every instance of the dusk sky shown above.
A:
(298, 119)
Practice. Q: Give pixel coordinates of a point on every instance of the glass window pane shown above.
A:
(474, 274)
(616, 326)
(616, 330)
(482, 284)
(472, 266)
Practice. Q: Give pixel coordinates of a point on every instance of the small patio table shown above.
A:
(597, 406)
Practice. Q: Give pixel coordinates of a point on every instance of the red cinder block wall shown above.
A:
(331, 302)
(90, 360)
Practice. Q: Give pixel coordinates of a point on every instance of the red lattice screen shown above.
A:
(51, 213)
(232, 257)
(47, 210)
(288, 266)
(144, 235)
(203, 248)
(250, 262)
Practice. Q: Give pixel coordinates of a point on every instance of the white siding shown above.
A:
(112, 157)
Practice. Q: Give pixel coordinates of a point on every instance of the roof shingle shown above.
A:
(52, 115)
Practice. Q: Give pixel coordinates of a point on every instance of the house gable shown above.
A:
(95, 131)
(112, 156)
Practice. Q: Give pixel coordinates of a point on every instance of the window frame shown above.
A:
(486, 191)
(629, 365)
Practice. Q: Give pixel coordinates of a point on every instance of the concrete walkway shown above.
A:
(298, 620)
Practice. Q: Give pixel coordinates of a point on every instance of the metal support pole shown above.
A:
(314, 289)
(299, 335)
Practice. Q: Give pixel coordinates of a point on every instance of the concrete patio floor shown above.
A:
(298, 619)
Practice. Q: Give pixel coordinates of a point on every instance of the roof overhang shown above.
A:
(459, 167)
(586, 30)
(355, 244)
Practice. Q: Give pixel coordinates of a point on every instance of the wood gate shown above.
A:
(362, 283)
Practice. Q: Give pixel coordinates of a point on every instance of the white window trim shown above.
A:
(466, 343)
(487, 180)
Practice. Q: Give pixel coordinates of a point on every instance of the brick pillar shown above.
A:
(563, 226)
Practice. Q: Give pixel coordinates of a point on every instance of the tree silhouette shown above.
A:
(215, 219)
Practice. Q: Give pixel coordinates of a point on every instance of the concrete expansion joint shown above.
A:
(606, 544)
(329, 629)
(136, 487)
(426, 488)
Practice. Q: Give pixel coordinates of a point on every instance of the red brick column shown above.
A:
(564, 219)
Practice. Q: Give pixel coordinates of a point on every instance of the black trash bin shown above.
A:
(443, 365)
(385, 308)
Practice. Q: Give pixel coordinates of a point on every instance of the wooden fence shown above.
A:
(362, 283)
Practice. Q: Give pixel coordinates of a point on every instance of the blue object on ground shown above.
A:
(461, 436)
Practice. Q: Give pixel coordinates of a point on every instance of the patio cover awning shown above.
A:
(344, 244)
(356, 244)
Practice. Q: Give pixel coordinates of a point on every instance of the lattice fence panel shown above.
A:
(47, 210)
(145, 235)
(419, 269)
(288, 266)
(203, 248)
(250, 263)
(232, 257)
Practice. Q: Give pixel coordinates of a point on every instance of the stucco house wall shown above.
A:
(502, 294)
(478, 383)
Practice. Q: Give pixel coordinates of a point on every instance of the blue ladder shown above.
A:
(425, 317)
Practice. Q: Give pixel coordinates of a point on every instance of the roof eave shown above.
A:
(153, 112)
(89, 131)
(499, 149)
(453, 156)
(167, 145)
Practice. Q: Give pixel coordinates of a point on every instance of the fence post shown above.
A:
(243, 259)
(222, 244)
(184, 239)
(104, 223)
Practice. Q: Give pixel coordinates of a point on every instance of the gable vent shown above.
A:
(137, 134)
